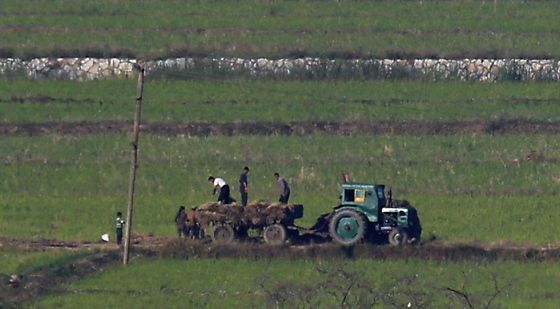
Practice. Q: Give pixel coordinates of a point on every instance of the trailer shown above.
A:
(226, 223)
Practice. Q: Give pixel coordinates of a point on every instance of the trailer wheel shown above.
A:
(223, 234)
(347, 227)
(275, 234)
(398, 237)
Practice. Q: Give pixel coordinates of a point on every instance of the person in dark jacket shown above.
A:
(224, 197)
(284, 189)
(120, 223)
(181, 221)
(244, 186)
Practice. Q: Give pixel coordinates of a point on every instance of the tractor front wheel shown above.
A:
(398, 237)
(275, 234)
(223, 234)
(347, 227)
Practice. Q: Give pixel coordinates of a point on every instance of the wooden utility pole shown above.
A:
(134, 161)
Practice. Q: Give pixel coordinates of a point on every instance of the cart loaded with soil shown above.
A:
(226, 223)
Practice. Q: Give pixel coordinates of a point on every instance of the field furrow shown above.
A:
(410, 127)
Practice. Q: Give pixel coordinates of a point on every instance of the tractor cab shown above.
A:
(369, 198)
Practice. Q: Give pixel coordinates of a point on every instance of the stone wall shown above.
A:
(420, 69)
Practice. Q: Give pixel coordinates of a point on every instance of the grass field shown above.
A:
(279, 101)
(238, 282)
(275, 29)
(70, 187)
(20, 262)
(74, 178)
(467, 187)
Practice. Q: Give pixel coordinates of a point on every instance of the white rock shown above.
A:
(87, 64)
(181, 63)
(262, 62)
(169, 63)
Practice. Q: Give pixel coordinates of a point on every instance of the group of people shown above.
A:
(183, 230)
(224, 196)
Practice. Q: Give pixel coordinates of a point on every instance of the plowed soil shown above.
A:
(412, 127)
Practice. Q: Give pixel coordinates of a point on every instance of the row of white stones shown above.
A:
(427, 69)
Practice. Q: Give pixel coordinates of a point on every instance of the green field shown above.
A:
(21, 262)
(466, 187)
(241, 283)
(244, 100)
(277, 29)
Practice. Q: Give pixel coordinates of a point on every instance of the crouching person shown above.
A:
(219, 184)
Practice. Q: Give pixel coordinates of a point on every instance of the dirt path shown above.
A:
(434, 250)
(145, 242)
(414, 127)
(146, 246)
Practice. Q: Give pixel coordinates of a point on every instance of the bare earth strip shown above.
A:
(243, 30)
(45, 99)
(148, 246)
(413, 127)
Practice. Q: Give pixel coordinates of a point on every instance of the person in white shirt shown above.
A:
(218, 183)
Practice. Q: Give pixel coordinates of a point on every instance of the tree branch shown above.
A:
(463, 295)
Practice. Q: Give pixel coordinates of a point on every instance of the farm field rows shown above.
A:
(272, 29)
(260, 283)
(480, 161)
(469, 187)
(457, 182)
(246, 100)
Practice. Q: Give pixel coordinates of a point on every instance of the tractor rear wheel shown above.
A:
(398, 237)
(347, 227)
(275, 234)
(223, 234)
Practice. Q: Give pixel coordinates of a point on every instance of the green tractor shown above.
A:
(365, 213)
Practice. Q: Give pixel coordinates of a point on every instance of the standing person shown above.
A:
(284, 189)
(244, 186)
(219, 183)
(120, 223)
(181, 221)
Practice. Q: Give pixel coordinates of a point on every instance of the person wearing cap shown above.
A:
(219, 184)
(244, 186)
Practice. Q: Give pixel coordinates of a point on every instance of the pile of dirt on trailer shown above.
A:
(255, 214)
